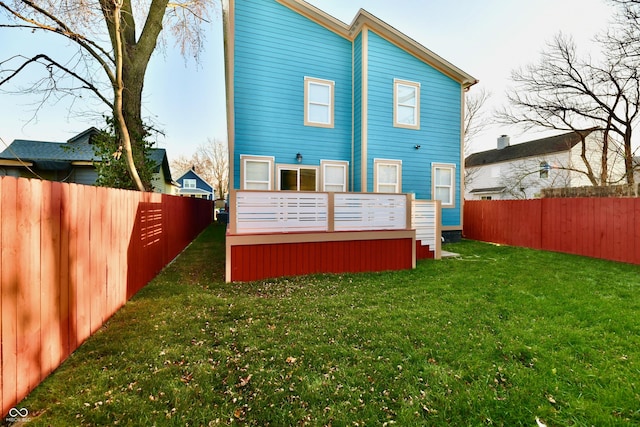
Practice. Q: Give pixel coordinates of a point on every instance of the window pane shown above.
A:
(334, 188)
(257, 185)
(307, 179)
(319, 113)
(444, 195)
(189, 183)
(544, 170)
(443, 177)
(288, 179)
(406, 95)
(386, 188)
(406, 115)
(388, 174)
(319, 93)
(334, 174)
(257, 171)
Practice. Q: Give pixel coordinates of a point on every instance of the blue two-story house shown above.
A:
(315, 104)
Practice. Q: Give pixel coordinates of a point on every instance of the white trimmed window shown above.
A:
(406, 104)
(318, 102)
(188, 183)
(443, 180)
(387, 176)
(256, 172)
(334, 176)
(297, 178)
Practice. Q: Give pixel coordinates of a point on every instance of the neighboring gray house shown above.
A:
(521, 171)
(71, 161)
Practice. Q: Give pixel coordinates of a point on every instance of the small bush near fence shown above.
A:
(72, 255)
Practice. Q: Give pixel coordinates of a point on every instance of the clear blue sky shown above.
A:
(486, 39)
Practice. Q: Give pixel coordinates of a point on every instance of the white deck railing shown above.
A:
(370, 211)
(280, 211)
(283, 211)
(289, 212)
(425, 219)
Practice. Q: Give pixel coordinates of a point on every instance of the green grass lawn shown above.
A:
(499, 336)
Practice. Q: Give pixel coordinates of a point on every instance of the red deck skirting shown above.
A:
(424, 252)
(268, 260)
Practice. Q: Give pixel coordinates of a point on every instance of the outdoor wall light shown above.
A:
(299, 158)
(417, 146)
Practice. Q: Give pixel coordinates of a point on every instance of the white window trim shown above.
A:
(307, 102)
(345, 165)
(266, 159)
(189, 181)
(416, 86)
(452, 189)
(281, 166)
(387, 162)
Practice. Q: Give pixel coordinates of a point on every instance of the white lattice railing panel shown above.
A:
(425, 220)
(369, 211)
(277, 211)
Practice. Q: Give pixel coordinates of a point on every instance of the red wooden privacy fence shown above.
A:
(72, 255)
(607, 228)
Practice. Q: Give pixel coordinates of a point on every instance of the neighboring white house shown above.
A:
(521, 171)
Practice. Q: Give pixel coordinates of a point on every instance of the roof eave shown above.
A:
(364, 19)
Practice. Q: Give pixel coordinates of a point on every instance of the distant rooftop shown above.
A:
(538, 147)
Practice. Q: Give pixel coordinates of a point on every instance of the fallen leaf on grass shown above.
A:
(291, 360)
(244, 381)
(540, 423)
(186, 378)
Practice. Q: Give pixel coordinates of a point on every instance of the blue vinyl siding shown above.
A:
(439, 133)
(275, 48)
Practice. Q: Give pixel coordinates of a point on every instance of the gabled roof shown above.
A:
(364, 19)
(193, 172)
(60, 155)
(538, 147)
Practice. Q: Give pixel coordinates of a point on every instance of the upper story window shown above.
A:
(256, 172)
(387, 175)
(544, 170)
(188, 183)
(318, 102)
(406, 104)
(443, 180)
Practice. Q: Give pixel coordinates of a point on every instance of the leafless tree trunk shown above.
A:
(123, 60)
